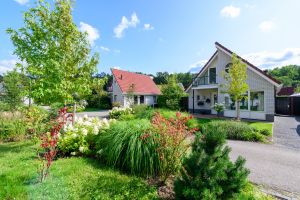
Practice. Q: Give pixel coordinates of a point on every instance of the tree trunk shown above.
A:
(238, 118)
(74, 113)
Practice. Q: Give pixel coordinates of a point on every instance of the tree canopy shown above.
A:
(54, 53)
(289, 75)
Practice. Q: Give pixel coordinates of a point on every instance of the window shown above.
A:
(142, 99)
(198, 97)
(229, 104)
(212, 75)
(244, 102)
(257, 101)
(115, 98)
(227, 67)
(155, 99)
(135, 100)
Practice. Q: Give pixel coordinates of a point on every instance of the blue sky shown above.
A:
(174, 35)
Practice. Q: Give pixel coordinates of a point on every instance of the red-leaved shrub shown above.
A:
(49, 142)
(171, 136)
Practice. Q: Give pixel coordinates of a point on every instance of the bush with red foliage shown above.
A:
(171, 136)
(49, 142)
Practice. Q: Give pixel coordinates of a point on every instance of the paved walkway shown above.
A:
(270, 165)
(99, 114)
(286, 132)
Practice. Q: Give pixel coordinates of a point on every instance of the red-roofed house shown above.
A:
(133, 88)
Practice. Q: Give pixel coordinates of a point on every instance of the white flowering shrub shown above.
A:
(79, 139)
(118, 112)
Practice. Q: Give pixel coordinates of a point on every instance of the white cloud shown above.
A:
(125, 24)
(7, 65)
(267, 26)
(93, 33)
(116, 67)
(230, 11)
(22, 2)
(196, 67)
(269, 60)
(105, 49)
(117, 51)
(148, 27)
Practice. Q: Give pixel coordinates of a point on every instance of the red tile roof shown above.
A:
(143, 84)
(286, 91)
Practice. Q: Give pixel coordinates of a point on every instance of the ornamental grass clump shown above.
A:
(79, 139)
(122, 146)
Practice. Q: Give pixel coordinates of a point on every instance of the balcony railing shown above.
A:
(204, 80)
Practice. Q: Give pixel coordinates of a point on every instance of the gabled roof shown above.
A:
(249, 64)
(143, 84)
(229, 52)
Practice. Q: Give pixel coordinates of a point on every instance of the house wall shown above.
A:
(255, 82)
(203, 94)
(117, 91)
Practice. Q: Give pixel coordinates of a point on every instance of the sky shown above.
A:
(174, 35)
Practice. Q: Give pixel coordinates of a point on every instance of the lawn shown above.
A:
(70, 178)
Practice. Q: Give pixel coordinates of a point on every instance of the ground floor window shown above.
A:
(154, 99)
(244, 102)
(142, 99)
(229, 104)
(257, 101)
(115, 98)
(135, 99)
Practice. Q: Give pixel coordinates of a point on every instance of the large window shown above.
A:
(244, 102)
(257, 101)
(229, 104)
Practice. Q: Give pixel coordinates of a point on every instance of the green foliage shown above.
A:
(208, 172)
(4, 106)
(289, 75)
(236, 85)
(265, 132)
(116, 104)
(14, 85)
(161, 78)
(56, 53)
(171, 94)
(79, 139)
(235, 130)
(70, 178)
(12, 126)
(118, 112)
(219, 107)
(99, 98)
(121, 146)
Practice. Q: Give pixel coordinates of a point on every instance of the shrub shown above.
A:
(4, 106)
(208, 172)
(265, 132)
(122, 146)
(117, 112)
(171, 136)
(235, 130)
(116, 104)
(219, 108)
(79, 139)
(12, 126)
(99, 101)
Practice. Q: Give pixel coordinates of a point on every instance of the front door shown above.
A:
(214, 99)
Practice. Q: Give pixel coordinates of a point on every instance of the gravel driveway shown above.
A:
(99, 114)
(270, 165)
(286, 132)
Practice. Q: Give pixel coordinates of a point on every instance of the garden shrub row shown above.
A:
(237, 130)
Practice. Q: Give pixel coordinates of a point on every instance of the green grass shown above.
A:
(70, 178)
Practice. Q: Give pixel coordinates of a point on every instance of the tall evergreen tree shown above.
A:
(208, 173)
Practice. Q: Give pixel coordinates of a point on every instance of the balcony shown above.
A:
(205, 80)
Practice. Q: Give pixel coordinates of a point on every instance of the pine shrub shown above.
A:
(208, 172)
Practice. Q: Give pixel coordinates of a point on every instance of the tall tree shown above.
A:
(236, 85)
(54, 52)
(289, 75)
(14, 85)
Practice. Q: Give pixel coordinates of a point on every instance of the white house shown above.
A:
(206, 89)
(132, 88)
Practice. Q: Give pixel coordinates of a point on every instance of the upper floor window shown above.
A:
(227, 67)
(212, 75)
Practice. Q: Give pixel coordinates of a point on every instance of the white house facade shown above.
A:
(206, 89)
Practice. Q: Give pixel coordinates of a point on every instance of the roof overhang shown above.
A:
(203, 87)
